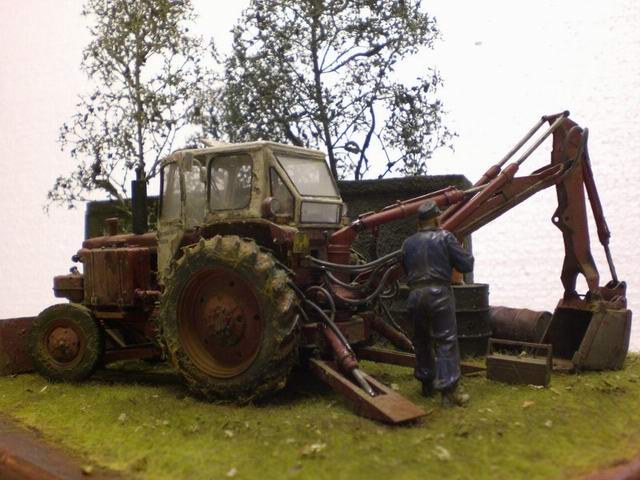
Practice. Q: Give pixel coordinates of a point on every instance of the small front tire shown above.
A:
(66, 343)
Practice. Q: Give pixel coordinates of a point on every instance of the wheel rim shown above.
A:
(219, 322)
(64, 343)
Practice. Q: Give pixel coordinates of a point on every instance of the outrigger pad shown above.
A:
(387, 406)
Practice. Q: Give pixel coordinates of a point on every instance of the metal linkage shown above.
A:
(543, 137)
(345, 355)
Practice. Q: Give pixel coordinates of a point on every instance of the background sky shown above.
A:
(504, 64)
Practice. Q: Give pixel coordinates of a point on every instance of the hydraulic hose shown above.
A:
(337, 267)
(354, 286)
(328, 322)
(379, 289)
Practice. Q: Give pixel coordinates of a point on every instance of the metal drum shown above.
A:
(472, 313)
(519, 324)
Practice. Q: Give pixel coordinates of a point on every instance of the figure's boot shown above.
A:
(427, 389)
(455, 397)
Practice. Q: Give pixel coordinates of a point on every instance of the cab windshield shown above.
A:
(310, 176)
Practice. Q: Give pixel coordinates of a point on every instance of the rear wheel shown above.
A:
(66, 343)
(228, 320)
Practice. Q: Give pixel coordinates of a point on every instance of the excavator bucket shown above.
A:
(589, 339)
(14, 357)
(386, 406)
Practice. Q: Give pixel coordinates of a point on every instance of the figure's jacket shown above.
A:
(429, 256)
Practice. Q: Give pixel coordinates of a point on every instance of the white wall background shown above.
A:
(504, 64)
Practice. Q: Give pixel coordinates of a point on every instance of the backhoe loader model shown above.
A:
(251, 269)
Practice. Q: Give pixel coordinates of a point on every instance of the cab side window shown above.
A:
(281, 193)
(230, 178)
(196, 194)
(170, 193)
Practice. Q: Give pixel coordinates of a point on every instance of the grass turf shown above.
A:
(140, 420)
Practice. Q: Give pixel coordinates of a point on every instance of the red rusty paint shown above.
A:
(344, 357)
(386, 406)
(149, 240)
(112, 275)
(69, 286)
(129, 353)
(64, 343)
(396, 337)
(223, 325)
(14, 357)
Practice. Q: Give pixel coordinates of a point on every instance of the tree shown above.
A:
(146, 72)
(321, 73)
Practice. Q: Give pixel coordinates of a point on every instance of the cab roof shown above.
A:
(248, 147)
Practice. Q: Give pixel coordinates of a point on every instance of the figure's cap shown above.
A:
(428, 210)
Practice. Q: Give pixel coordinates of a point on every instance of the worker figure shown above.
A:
(429, 257)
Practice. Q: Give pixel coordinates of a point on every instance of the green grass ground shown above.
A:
(143, 422)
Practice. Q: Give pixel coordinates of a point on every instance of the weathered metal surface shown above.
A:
(384, 355)
(518, 323)
(225, 325)
(404, 359)
(472, 316)
(69, 286)
(395, 336)
(14, 357)
(386, 406)
(471, 297)
(112, 275)
(344, 356)
(514, 362)
(132, 352)
(64, 342)
(354, 330)
(590, 339)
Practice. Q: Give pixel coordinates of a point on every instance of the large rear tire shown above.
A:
(66, 343)
(228, 320)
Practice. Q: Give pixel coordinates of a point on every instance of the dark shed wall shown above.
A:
(371, 195)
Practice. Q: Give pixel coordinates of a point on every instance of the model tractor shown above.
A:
(252, 269)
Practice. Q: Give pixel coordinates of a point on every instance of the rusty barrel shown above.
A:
(472, 312)
(519, 324)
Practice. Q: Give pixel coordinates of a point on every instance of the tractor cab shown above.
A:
(249, 189)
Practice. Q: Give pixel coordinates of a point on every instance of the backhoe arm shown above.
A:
(570, 171)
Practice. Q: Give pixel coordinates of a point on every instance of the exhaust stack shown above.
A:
(139, 203)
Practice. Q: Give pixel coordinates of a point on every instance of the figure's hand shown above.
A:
(457, 278)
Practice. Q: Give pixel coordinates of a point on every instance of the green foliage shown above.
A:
(321, 73)
(146, 73)
(143, 422)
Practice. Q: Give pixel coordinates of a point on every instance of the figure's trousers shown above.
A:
(432, 310)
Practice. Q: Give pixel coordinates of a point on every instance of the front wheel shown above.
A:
(228, 319)
(66, 343)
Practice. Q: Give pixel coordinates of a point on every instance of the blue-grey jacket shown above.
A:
(430, 255)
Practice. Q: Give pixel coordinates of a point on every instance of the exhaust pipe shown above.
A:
(139, 203)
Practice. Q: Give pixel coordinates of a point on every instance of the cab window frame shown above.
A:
(210, 165)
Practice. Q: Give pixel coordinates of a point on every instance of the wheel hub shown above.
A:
(220, 325)
(226, 327)
(63, 344)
